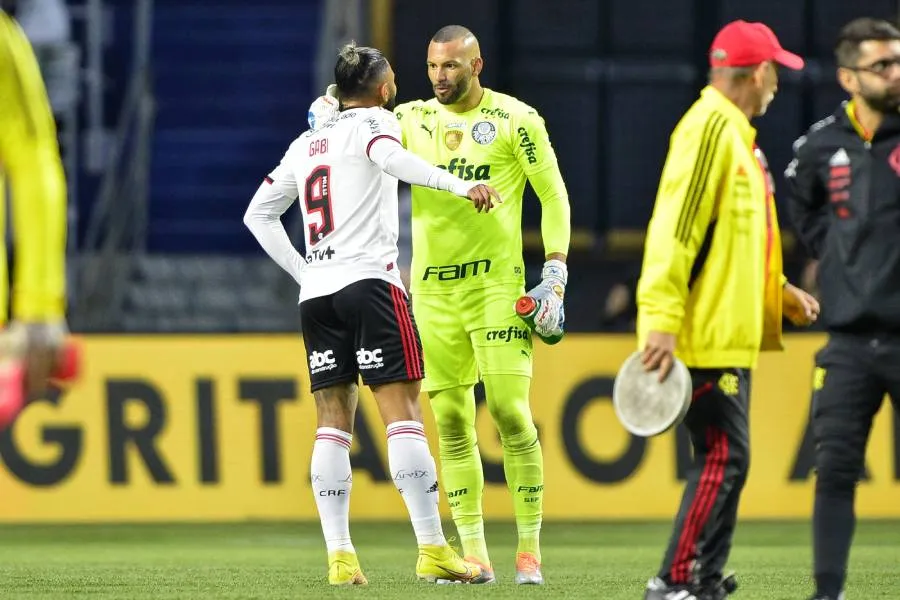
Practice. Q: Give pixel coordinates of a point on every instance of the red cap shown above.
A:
(743, 44)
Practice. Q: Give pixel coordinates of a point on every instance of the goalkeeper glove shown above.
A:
(542, 306)
(324, 108)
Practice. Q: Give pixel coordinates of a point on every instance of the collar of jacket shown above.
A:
(731, 112)
(846, 114)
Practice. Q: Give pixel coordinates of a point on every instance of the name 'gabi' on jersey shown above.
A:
(502, 142)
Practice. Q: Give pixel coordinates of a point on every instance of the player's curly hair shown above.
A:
(358, 70)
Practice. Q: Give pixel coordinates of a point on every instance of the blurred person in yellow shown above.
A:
(30, 166)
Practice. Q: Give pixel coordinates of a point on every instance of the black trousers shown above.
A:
(853, 374)
(720, 436)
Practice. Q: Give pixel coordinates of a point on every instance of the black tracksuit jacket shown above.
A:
(844, 200)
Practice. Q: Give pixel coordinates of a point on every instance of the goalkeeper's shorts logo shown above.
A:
(507, 335)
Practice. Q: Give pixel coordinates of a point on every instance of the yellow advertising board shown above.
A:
(221, 428)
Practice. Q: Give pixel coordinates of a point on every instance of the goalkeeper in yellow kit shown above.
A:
(30, 163)
(467, 275)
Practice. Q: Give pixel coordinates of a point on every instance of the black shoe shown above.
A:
(718, 589)
(729, 583)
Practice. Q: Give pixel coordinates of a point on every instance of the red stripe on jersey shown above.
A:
(269, 180)
(378, 137)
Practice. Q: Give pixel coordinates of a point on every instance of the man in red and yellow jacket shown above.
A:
(712, 294)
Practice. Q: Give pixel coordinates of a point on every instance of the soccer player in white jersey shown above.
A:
(355, 312)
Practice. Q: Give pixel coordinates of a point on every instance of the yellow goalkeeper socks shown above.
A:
(523, 461)
(463, 479)
(462, 476)
(524, 467)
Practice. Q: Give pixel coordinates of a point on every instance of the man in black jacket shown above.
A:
(844, 198)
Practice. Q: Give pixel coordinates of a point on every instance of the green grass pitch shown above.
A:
(609, 561)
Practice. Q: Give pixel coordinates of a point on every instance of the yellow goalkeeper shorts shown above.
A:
(472, 333)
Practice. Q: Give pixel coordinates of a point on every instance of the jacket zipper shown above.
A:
(870, 213)
(868, 146)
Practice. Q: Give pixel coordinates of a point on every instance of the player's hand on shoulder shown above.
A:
(484, 197)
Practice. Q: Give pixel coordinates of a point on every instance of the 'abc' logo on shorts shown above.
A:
(369, 359)
(321, 361)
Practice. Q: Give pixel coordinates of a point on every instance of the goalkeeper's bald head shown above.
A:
(468, 43)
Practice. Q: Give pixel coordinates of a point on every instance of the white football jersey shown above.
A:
(349, 205)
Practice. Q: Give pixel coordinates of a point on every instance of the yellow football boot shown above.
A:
(441, 564)
(343, 569)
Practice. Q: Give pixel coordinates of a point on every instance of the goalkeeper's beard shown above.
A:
(456, 92)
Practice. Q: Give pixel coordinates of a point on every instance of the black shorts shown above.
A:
(366, 329)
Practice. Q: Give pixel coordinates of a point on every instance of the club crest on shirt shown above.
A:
(484, 132)
(453, 138)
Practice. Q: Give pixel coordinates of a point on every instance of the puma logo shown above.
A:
(430, 131)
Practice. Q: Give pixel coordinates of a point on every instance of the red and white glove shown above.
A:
(550, 318)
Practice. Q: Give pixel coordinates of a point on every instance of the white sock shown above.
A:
(332, 479)
(414, 473)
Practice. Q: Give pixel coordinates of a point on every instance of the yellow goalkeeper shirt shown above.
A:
(502, 142)
(30, 165)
